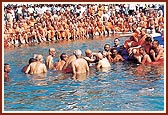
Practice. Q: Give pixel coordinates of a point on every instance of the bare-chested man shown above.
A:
(80, 65)
(59, 65)
(116, 57)
(67, 68)
(49, 60)
(157, 52)
(6, 71)
(31, 60)
(145, 57)
(89, 57)
(102, 61)
(37, 67)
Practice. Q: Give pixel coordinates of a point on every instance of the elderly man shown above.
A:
(102, 61)
(89, 57)
(37, 67)
(79, 65)
(49, 60)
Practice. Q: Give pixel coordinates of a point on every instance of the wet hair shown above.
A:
(32, 60)
(62, 56)
(148, 39)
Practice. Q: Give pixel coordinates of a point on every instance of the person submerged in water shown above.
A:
(6, 71)
(30, 61)
(49, 60)
(157, 52)
(90, 58)
(37, 67)
(63, 58)
(102, 61)
(79, 65)
(145, 57)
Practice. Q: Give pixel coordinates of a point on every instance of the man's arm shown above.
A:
(27, 70)
(73, 68)
(44, 68)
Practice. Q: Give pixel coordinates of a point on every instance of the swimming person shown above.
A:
(6, 71)
(79, 65)
(63, 58)
(49, 60)
(37, 67)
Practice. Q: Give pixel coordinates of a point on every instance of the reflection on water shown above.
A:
(123, 87)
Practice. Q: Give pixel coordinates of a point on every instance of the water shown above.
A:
(124, 87)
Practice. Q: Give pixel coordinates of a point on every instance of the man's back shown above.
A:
(36, 68)
(80, 66)
(49, 62)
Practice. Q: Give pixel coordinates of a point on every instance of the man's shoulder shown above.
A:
(49, 57)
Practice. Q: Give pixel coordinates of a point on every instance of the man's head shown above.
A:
(39, 58)
(32, 60)
(107, 47)
(114, 51)
(99, 56)
(155, 43)
(78, 53)
(88, 53)
(64, 56)
(52, 51)
(116, 41)
(141, 50)
(148, 40)
(7, 68)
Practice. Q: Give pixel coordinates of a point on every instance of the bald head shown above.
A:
(99, 55)
(39, 57)
(88, 53)
(77, 53)
(52, 51)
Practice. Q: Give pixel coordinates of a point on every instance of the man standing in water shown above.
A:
(59, 65)
(116, 44)
(6, 71)
(89, 57)
(37, 67)
(80, 65)
(49, 59)
(157, 52)
(145, 57)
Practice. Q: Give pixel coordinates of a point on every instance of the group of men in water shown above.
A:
(140, 46)
(148, 53)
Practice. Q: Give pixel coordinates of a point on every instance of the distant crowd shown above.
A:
(37, 23)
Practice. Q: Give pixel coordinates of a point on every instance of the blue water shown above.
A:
(121, 88)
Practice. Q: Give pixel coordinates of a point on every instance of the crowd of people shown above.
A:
(150, 52)
(53, 22)
(37, 23)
